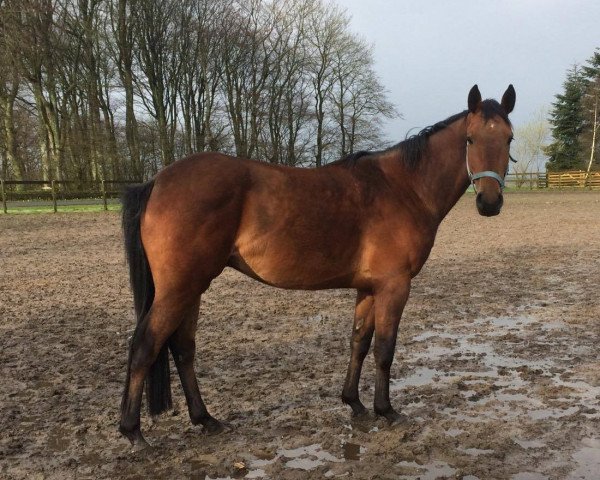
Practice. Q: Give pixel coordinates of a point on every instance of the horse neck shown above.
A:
(441, 177)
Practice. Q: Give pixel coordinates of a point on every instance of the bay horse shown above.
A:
(367, 222)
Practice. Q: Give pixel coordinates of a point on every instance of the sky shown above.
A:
(429, 53)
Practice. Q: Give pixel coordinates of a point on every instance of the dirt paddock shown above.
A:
(497, 364)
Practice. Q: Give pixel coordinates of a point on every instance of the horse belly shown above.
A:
(292, 266)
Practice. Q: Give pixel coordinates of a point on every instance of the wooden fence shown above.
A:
(55, 190)
(526, 180)
(562, 180)
(573, 179)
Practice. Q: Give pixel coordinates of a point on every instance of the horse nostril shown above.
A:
(479, 200)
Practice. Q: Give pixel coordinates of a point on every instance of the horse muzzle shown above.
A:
(489, 205)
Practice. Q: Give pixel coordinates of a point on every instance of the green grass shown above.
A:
(61, 209)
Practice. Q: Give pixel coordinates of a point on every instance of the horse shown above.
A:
(365, 222)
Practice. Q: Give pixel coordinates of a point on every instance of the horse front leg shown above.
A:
(362, 333)
(389, 302)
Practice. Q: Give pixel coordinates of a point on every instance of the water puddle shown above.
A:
(516, 380)
(305, 458)
(588, 460)
(529, 476)
(508, 322)
(529, 443)
(427, 471)
(546, 413)
(422, 376)
(476, 451)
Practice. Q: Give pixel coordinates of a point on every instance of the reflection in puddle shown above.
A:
(352, 451)
(305, 458)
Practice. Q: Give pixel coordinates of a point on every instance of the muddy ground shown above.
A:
(497, 364)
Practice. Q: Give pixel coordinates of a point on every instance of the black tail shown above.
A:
(158, 383)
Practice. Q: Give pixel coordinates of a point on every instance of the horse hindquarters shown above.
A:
(184, 242)
(142, 285)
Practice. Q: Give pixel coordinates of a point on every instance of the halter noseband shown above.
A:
(486, 173)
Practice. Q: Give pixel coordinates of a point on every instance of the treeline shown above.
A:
(112, 89)
(575, 119)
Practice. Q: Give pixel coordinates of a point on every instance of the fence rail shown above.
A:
(56, 190)
(573, 179)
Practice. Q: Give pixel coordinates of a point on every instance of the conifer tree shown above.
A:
(566, 120)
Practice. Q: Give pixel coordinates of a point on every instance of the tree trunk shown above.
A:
(11, 155)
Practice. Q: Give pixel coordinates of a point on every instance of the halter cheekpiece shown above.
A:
(486, 173)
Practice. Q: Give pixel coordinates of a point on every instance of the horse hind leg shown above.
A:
(149, 339)
(183, 348)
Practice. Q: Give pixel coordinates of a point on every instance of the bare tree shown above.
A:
(201, 75)
(158, 40)
(287, 93)
(39, 45)
(123, 39)
(327, 24)
(120, 88)
(359, 102)
(528, 146)
(247, 61)
(10, 82)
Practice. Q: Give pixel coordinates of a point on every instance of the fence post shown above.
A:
(104, 201)
(53, 185)
(530, 180)
(4, 207)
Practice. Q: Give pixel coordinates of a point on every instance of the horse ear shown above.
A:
(509, 98)
(474, 99)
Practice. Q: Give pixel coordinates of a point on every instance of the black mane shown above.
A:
(413, 147)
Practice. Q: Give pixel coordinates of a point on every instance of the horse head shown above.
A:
(489, 134)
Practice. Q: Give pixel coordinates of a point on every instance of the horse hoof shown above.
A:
(139, 445)
(360, 414)
(394, 418)
(215, 427)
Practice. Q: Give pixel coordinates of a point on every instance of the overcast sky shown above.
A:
(429, 53)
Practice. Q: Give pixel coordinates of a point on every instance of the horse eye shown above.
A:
(510, 140)
(469, 140)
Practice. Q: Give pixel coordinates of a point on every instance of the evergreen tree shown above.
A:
(590, 110)
(566, 120)
(591, 71)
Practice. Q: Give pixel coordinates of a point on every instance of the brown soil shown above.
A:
(497, 363)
